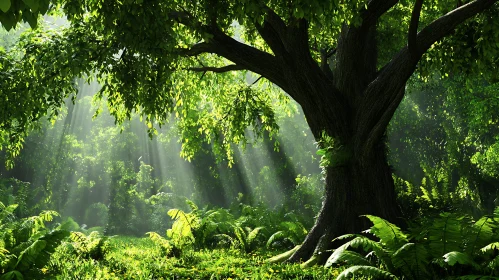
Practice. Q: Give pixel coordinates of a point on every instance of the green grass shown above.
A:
(140, 258)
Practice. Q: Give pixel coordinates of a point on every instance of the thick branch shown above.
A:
(273, 38)
(413, 27)
(324, 63)
(250, 58)
(385, 93)
(444, 25)
(232, 67)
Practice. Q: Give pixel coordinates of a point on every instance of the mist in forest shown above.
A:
(88, 168)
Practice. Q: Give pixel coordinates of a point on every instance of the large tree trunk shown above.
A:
(359, 187)
(360, 182)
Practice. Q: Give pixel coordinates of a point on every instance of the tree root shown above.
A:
(311, 262)
(284, 256)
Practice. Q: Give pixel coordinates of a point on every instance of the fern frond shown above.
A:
(445, 234)
(77, 236)
(452, 258)
(241, 236)
(349, 257)
(253, 234)
(368, 245)
(389, 234)
(493, 265)
(223, 236)
(275, 237)
(363, 270)
(482, 233)
(164, 244)
(490, 248)
(412, 260)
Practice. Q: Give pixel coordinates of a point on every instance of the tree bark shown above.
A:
(361, 186)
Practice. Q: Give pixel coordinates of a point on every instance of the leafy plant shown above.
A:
(444, 246)
(26, 244)
(292, 232)
(246, 237)
(167, 248)
(183, 226)
(91, 246)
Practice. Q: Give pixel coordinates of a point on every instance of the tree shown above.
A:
(345, 62)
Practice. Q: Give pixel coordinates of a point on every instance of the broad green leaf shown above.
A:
(32, 4)
(5, 5)
(368, 271)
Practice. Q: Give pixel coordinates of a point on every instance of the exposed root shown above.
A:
(311, 262)
(284, 256)
(319, 256)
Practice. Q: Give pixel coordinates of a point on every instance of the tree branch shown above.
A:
(444, 25)
(385, 92)
(324, 63)
(413, 27)
(249, 58)
(223, 69)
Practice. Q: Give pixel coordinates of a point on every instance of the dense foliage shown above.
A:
(227, 86)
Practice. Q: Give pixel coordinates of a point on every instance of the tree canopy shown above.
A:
(160, 57)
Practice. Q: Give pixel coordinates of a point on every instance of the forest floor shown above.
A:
(140, 258)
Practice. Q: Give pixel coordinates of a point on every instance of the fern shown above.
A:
(212, 223)
(412, 260)
(278, 235)
(389, 234)
(26, 244)
(367, 271)
(93, 245)
(348, 257)
(453, 258)
(445, 234)
(482, 232)
(246, 237)
(292, 231)
(181, 232)
(366, 244)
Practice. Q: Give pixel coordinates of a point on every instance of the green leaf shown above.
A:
(412, 259)
(276, 236)
(43, 6)
(32, 4)
(457, 257)
(388, 233)
(253, 234)
(29, 255)
(31, 18)
(4, 5)
(364, 270)
(349, 257)
(12, 275)
(8, 20)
